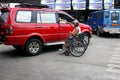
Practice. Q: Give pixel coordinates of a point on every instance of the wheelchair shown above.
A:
(75, 46)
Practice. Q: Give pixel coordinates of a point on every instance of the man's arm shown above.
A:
(75, 32)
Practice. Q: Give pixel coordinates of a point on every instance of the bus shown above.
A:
(105, 21)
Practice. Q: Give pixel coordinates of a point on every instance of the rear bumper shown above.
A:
(15, 40)
(112, 30)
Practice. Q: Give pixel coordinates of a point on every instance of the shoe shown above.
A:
(66, 53)
(61, 51)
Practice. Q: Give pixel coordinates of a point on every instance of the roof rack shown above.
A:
(25, 5)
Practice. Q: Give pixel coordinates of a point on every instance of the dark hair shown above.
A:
(76, 23)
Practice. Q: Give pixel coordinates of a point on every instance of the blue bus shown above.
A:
(105, 21)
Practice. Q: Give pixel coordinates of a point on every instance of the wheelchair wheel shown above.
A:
(77, 48)
(85, 43)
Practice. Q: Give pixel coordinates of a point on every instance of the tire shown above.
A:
(77, 48)
(85, 43)
(98, 33)
(33, 47)
(86, 38)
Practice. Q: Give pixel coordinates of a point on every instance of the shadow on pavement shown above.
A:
(109, 36)
(13, 53)
(51, 48)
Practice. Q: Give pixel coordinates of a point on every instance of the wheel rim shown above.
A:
(77, 49)
(98, 33)
(34, 47)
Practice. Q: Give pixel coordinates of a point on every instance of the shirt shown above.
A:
(77, 28)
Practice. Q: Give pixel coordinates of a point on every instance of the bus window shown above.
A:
(107, 15)
(95, 15)
(115, 16)
(90, 16)
(100, 15)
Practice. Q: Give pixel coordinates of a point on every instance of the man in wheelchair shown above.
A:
(74, 44)
(76, 31)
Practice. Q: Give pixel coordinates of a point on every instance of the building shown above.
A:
(80, 9)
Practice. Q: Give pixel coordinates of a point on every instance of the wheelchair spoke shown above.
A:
(77, 48)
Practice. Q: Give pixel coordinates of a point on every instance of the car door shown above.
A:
(47, 26)
(64, 27)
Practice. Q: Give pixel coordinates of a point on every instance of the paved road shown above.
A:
(100, 62)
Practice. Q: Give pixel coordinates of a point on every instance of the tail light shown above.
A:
(104, 25)
(7, 29)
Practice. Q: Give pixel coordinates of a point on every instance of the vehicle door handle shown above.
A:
(62, 26)
(39, 26)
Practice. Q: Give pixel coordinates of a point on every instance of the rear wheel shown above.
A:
(77, 48)
(85, 43)
(98, 32)
(33, 47)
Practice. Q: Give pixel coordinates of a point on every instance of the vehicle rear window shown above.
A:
(3, 16)
(24, 16)
(115, 16)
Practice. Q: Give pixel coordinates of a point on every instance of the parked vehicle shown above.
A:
(31, 27)
(105, 21)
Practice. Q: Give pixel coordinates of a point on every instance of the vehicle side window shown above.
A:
(24, 16)
(65, 17)
(94, 15)
(90, 16)
(4, 16)
(100, 15)
(38, 17)
(107, 14)
(46, 17)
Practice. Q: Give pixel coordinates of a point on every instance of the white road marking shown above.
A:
(113, 68)
(114, 61)
(115, 58)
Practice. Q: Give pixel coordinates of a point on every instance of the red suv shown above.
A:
(30, 28)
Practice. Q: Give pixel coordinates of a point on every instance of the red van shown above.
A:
(30, 28)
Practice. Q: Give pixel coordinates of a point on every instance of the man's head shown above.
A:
(76, 23)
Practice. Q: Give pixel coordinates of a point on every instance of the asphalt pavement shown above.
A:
(101, 61)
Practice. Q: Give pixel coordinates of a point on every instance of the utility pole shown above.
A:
(103, 4)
